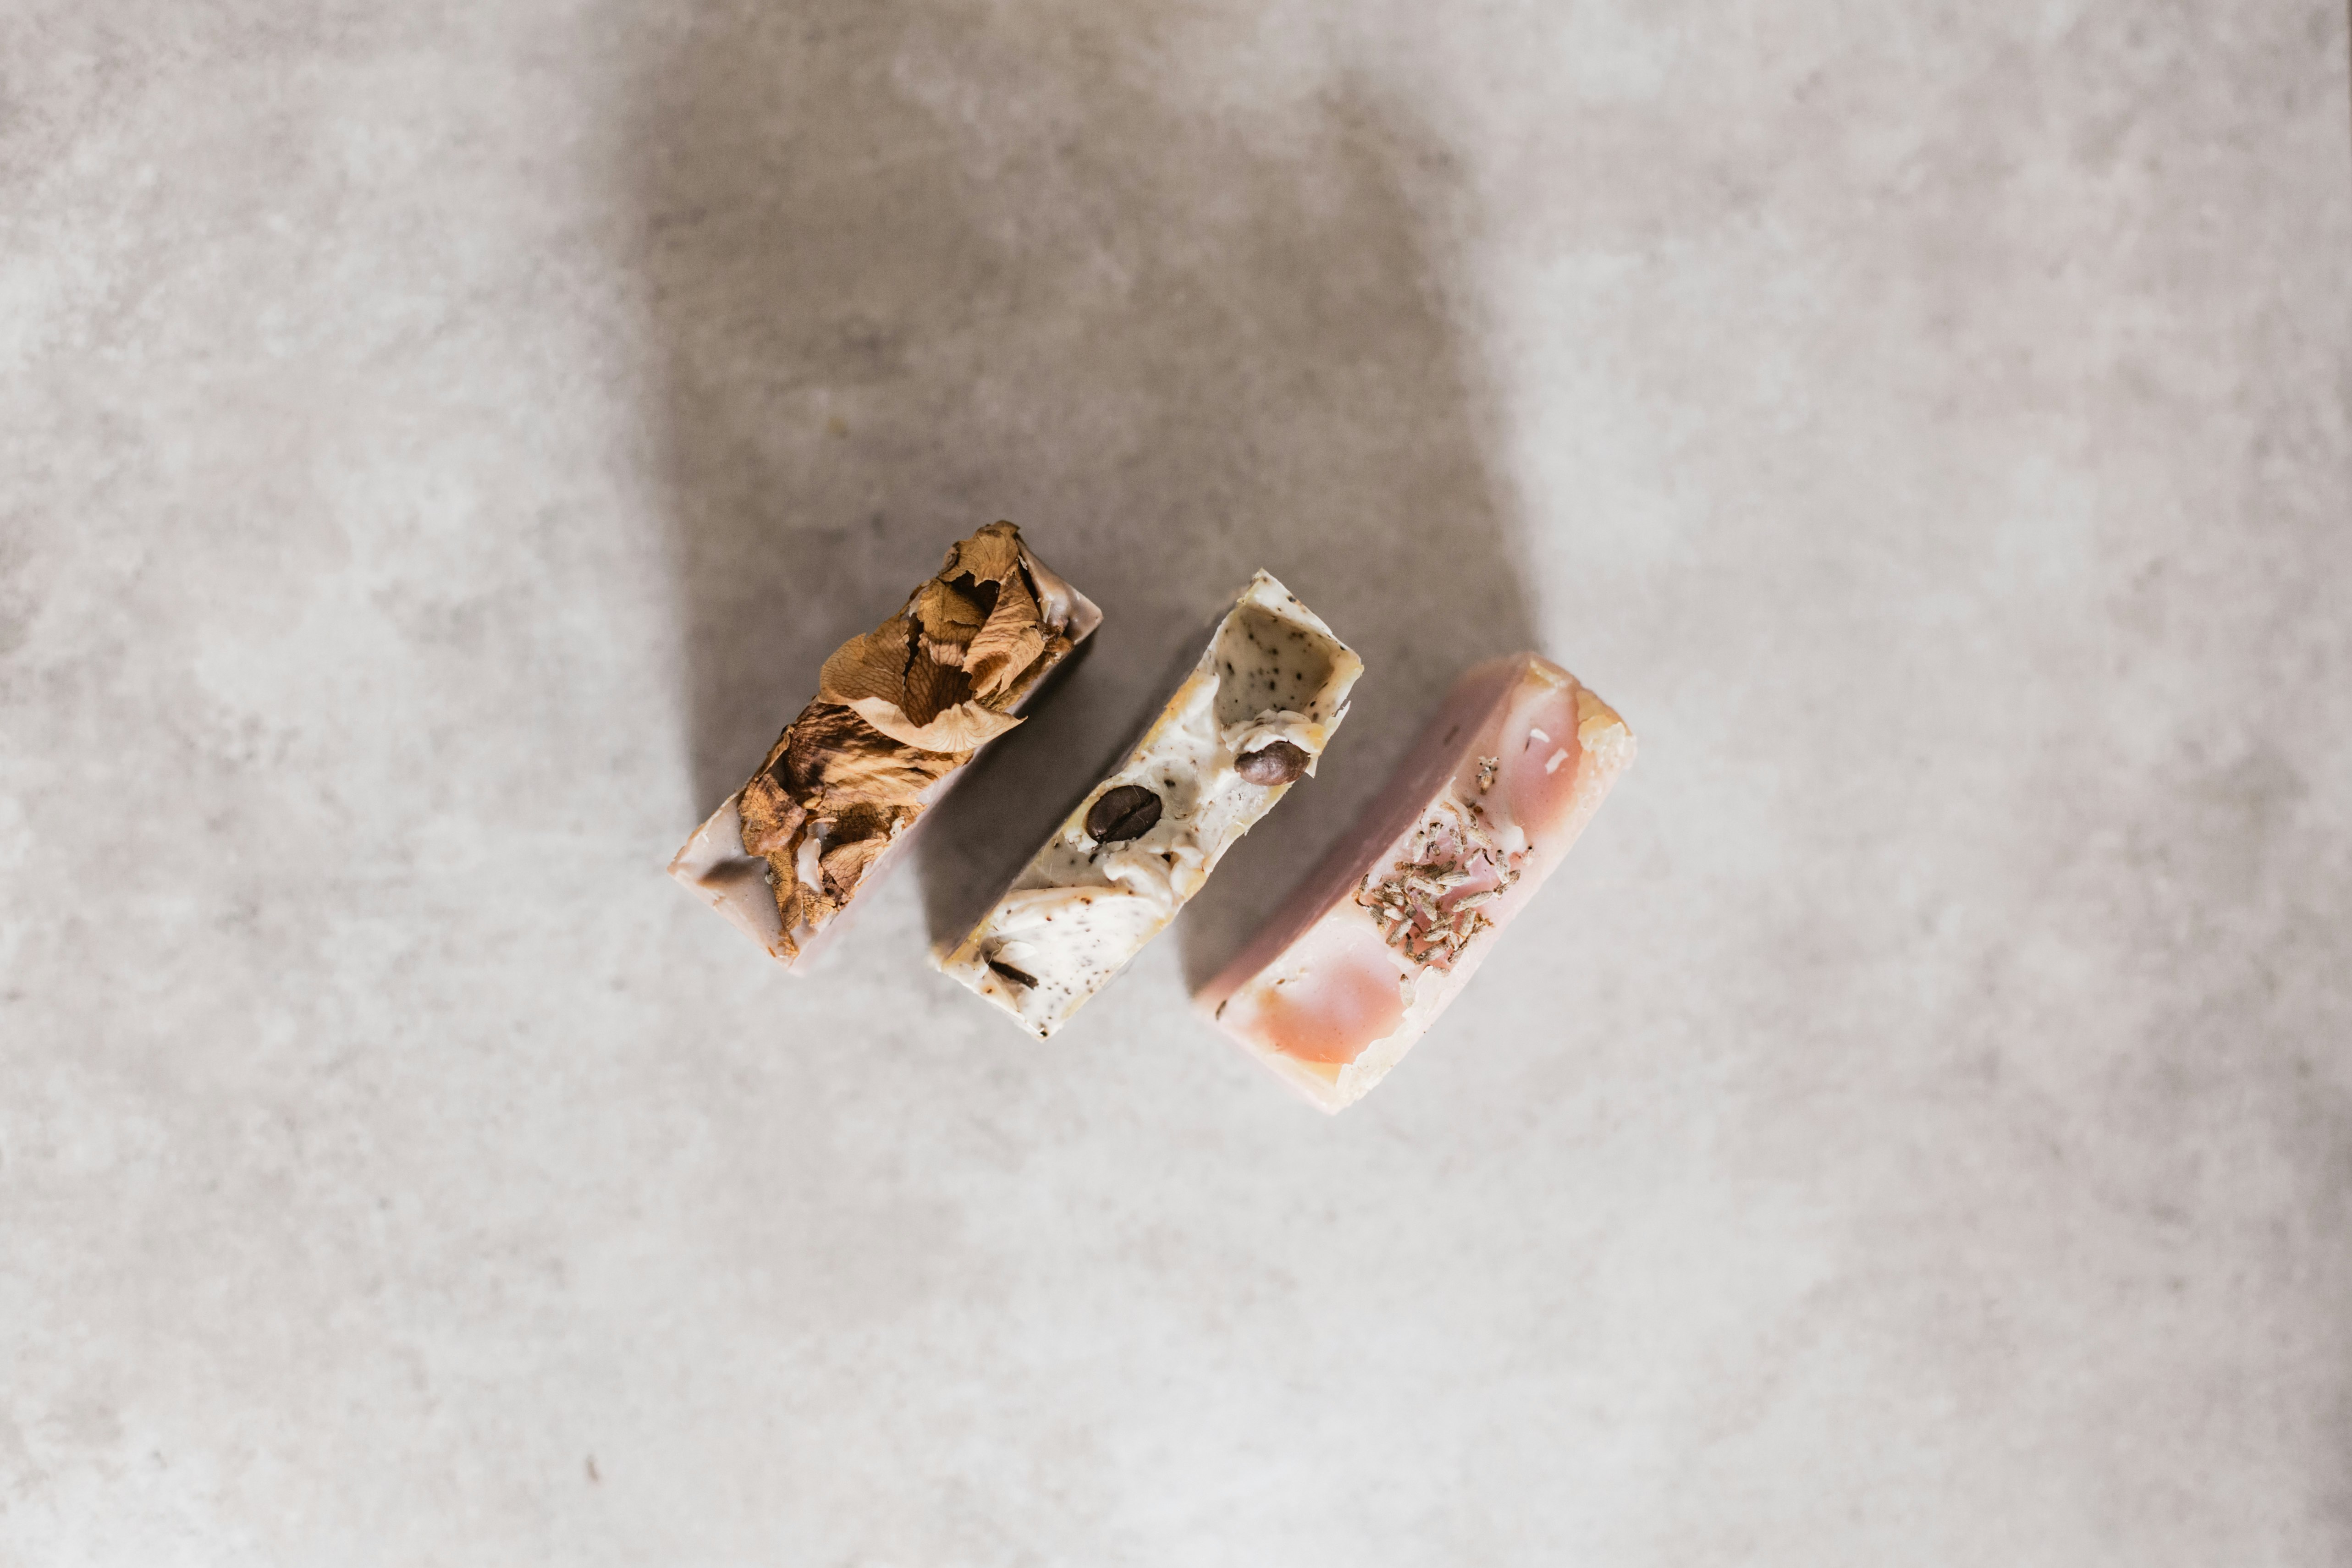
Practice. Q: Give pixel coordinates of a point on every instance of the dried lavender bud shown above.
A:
(1120, 814)
(1278, 762)
(1017, 977)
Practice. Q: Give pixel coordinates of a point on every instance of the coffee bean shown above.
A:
(1277, 763)
(1011, 973)
(1120, 814)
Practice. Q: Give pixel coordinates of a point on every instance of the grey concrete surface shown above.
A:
(437, 442)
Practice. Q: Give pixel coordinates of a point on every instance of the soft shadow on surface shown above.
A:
(910, 273)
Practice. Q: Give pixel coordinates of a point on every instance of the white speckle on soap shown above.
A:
(1552, 763)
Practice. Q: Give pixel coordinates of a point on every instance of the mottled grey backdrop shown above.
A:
(437, 442)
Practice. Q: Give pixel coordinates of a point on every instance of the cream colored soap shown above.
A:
(1375, 943)
(898, 713)
(1252, 717)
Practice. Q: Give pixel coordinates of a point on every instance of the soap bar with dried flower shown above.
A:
(1371, 948)
(897, 712)
(1248, 722)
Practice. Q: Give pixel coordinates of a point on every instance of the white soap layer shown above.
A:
(1081, 910)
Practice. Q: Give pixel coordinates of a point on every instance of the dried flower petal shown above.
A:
(1057, 646)
(1008, 644)
(898, 709)
(961, 729)
(770, 816)
(992, 555)
(836, 758)
(950, 617)
(845, 864)
(795, 900)
(859, 819)
(931, 689)
(871, 665)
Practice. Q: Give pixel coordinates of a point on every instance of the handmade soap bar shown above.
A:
(897, 712)
(1252, 717)
(1361, 958)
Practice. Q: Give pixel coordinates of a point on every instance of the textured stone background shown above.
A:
(438, 440)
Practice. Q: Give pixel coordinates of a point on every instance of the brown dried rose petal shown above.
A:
(897, 709)
(1117, 815)
(871, 665)
(1007, 644)
(836, 757)
(801, 905)
(1047, 657)
(824, 733)
(895, 778)
(958, 731)
(791, 949)
(951, 615)
(931, 689)
(861, 819)
(992, 555)
(1279, 762)
(770, 817)
(845, 864)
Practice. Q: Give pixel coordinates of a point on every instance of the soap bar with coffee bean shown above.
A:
(898, 713)
(1248, 722)
(1373, 945)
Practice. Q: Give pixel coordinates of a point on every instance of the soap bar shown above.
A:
(897, 712)
(1250, 718)
(1369, 950)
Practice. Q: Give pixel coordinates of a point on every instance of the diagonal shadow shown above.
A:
(909, 274)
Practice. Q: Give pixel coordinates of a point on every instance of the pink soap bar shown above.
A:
(1366, 954)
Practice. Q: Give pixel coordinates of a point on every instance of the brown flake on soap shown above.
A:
(801, 905)
(1017, 977)
(871, 665)
(770, 816)
(897, 709)
(845, 863)
(1407, 904)
(1007, 644)
(992, 555)
(834, 760)
(949, 615)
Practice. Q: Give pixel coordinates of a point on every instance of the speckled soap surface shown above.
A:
(439, 441)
